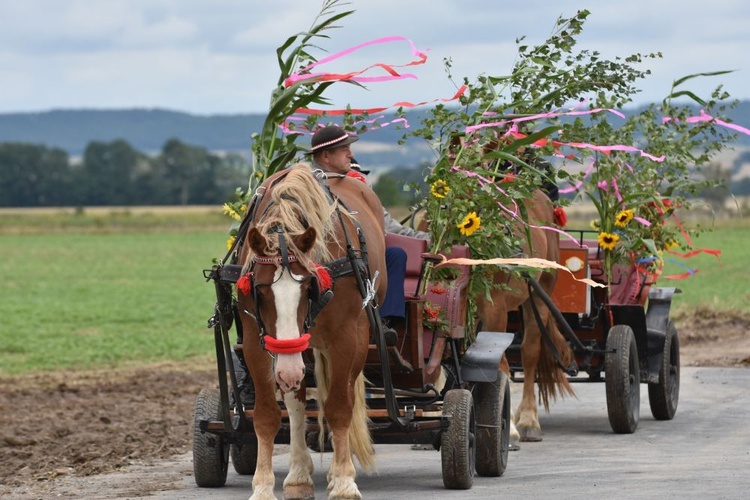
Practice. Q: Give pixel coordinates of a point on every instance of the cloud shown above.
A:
(219, 56)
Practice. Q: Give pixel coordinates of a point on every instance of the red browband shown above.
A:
(287, 346)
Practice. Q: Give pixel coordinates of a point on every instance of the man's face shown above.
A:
(337, 160)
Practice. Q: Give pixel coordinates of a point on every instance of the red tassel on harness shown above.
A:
(244, 284)
(287, 346)
(356, 175)
(561, 218)
(324, 277)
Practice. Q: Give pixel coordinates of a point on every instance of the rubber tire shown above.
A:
(457, 441)
(492, 402)
(664, 395)
(210, 452)
(245, 457)
(622, 378)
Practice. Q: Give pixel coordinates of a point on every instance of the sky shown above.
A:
(219, 56)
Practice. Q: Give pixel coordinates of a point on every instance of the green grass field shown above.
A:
(80, 300)
(720, 284)
(83, 292)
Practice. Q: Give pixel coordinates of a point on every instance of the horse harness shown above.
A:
(320, 291)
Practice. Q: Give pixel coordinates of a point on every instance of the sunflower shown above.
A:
(230, 242)
(231, 212)
(608, 240)
(623, 217)
(439, 188)
(470, 224)
(594, 224)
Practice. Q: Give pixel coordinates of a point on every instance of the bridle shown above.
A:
(284, 261)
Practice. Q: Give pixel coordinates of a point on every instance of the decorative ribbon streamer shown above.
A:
(689, 272)
(535, 263)
(708, 118)
(551, 114)
(603, 149)
(401, 104)
(304, 74)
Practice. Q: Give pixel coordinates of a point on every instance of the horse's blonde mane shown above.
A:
(299, 202)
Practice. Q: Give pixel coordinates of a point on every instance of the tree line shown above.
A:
(115, 174)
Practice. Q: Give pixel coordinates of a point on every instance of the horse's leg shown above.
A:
(345, 412)
(266, 417)
(341, 475)
(298, 483)
(527, 420)
(494, 318)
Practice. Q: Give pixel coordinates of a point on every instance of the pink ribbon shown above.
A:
(708, 118)
(304, 73)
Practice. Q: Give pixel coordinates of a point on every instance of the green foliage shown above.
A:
(400, 186)
(272, 148)
(622, 185)
(489, 153)
(482, 178)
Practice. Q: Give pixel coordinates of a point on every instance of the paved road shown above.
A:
(703, 453)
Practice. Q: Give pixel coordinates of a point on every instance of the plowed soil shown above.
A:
(83, 424)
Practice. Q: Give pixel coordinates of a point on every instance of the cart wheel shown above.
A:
(457, 441)
(245, 457)
(210, 452)
(493, 426)
(664, 395)
(622, 379)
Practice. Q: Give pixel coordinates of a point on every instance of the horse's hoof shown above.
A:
(299, 492)
(531, 435)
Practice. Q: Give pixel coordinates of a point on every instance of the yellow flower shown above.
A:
(670, 244)
(439, 188)
(594, 224)
(230, 242)
(230, 211)
(470, 224)
(608, 240)
(622, 218)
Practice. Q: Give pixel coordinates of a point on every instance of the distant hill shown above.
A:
(148, 129)
(144, 129)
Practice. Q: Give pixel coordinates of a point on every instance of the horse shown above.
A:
(512, 293)
(311, 232)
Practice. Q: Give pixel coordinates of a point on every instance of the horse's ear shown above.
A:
(306, 240)
(257, 241)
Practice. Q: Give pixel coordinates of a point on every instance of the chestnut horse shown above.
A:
(538, 360)
(305, 237)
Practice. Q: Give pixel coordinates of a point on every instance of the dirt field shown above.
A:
(83, 424)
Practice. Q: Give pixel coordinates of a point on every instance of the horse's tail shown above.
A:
(360, 440)
(551, 380)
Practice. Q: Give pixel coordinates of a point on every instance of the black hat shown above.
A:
(330, 137)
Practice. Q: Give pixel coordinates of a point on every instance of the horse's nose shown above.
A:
(290, 372)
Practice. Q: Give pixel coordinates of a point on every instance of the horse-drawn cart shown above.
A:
(613, 333)
(424, 387)
(440, 387)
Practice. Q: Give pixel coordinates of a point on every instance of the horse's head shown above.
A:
(282, 291)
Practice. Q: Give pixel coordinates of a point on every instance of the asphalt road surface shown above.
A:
(703, 453)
